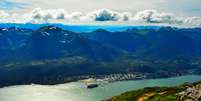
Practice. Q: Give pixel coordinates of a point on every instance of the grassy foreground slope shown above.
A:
(185, 92)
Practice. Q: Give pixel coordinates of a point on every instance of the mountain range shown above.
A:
(51, 54)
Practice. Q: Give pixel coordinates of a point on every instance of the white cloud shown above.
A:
(38, 13)
(126, 16)
(3, 14)
(103, 15)
(109, 15)
(192, 21)
(153, 16)
(75, 16)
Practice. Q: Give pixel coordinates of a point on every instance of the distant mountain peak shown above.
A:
(100, 30)
(46, 28)
(167, 28)
(13, 29)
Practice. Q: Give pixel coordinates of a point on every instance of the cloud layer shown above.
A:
(103, 15)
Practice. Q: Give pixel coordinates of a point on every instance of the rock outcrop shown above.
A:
(191, 94)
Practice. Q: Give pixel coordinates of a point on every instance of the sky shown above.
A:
(113, 11)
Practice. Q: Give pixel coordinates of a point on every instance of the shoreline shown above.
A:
(110, 78)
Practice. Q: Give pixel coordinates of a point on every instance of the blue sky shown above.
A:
(10, 5)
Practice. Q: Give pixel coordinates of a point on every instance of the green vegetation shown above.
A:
(154, 94)
(149, 94)
(51, 55)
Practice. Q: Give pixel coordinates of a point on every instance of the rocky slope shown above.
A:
(191, 93)
(185, 92)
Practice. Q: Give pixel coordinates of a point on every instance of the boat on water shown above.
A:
(92, 85)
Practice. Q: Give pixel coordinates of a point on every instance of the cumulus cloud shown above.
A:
(153, 16)
(38, 13)
(109, 15)
(192, 21)
(126, 16)
(103, 15)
